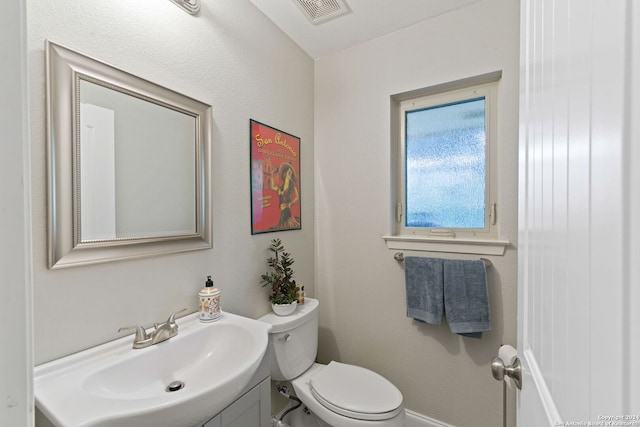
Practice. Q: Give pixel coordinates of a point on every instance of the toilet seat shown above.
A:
(356, 392)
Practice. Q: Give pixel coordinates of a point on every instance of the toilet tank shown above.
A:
(293, 340)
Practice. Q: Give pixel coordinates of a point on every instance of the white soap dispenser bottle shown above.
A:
(209, 302)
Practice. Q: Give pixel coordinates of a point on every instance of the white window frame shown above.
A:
(475, 241)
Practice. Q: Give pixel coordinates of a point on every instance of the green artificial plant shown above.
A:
(280, 280)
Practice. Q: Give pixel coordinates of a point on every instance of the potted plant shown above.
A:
(283, 295)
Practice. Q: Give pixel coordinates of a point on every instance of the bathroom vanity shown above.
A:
(209, 374)
(252, 409)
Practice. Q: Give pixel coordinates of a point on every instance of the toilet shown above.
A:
(336, 394)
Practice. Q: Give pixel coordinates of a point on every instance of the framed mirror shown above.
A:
(129, 164)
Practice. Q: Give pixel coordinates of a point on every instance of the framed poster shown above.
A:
(275, 179)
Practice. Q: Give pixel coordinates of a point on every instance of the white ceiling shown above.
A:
(367, 20)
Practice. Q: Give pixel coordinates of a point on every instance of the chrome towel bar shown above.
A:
(399, 256)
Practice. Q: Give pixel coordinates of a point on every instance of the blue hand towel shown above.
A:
(424, 283)
(466, 297)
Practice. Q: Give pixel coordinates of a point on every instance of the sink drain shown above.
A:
(174, 386)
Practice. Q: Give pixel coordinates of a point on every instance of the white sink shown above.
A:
(113, 385)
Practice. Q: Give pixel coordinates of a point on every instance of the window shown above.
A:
(446, 175)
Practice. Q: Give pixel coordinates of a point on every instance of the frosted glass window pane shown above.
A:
(446, 166)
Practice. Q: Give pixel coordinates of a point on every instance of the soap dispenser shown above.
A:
(209, 302)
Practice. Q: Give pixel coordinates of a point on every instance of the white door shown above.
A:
(578, 322)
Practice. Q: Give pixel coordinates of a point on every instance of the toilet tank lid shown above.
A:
(304, 313)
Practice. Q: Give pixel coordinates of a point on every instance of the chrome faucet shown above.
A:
(160, 332)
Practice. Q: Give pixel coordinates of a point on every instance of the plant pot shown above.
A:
(284, 309)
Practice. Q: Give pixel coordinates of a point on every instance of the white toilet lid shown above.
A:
(356, 392)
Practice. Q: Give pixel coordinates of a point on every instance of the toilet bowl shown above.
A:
(337, 394)
(349, 396)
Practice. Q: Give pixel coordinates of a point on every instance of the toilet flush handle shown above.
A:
(286, 337)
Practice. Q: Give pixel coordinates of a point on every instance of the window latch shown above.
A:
(441, 232)
(492, 213)
(399, 213)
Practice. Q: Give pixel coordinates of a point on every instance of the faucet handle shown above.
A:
(172, 318)
(141, 333)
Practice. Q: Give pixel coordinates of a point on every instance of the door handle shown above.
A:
(513, 371)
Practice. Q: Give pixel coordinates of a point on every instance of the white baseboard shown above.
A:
(415, 419)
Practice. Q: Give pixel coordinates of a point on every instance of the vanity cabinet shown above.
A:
(252, 409)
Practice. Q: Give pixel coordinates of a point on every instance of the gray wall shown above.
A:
(359, 284)
(231, 57)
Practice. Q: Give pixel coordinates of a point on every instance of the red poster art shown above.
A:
(275, 179)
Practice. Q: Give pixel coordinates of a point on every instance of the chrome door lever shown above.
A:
(513, 371)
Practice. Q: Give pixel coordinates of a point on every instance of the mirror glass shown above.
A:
(129, 164)
(125, 192)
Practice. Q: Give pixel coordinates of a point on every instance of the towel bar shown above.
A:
(399, 256)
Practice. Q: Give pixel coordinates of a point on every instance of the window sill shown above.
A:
(447, 244)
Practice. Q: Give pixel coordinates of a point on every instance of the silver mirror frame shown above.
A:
(64, 68)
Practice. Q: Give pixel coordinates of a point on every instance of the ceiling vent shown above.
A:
(318, 11)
